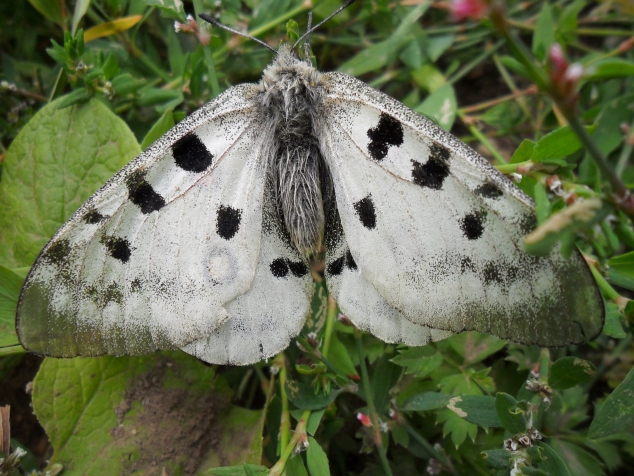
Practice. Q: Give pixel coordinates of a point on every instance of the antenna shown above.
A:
(208, 19)
(310, 30)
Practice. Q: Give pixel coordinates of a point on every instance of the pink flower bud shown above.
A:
(364, 419)
(468, 9)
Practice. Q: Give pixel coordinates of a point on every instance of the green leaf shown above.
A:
(135, 411)
(475, 347)
(609, 68)
(578, 460)
(542, 204)
(295, 467)
(110, 67)
(316, 459)
(241, 470)
(339, 356)
(614, 322)
(76, 97)
(570, 371)
(169, 8)
(56, 162)
(419, 360)
(617, 412)
(384, 377)
(160, 127)
(623, 264)
(510, 413)
(553, 464)
(429, 78)
(313, 422)
(457, 427)
(125, 84)
(557, 144)
(523, 152)
(497, 459)
(153, 96)
(303, 396)
(81, 7)
(477, 409)
(437, 45)
(427, 401)
(618, 279)
(441, 106)
(384, 52)
(10, 285)
(544, 34)
(567, 23)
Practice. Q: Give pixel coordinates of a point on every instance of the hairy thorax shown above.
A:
(291, 101)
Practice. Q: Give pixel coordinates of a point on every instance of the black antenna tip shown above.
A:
(207, 18)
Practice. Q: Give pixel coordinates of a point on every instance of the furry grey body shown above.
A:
(291, 100)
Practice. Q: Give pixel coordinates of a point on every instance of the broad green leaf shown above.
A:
(510, 414)
(382, 53)
(111, 27)
(339, 356)
(475, 347)
(419, 360)
(56, 162)
(10, 285)
(316, 459)
(553, 464)
(614, 321)
(570, 371)
(557, 144)
(477, 409)
(523, 152)
(302, 396)
(427, 401)
(623, 264)
(295, 466)
(609, 68)
(160, 127)
(618, 279)
(437, 45)
(544, 34)
(429, 78)
(497, 459)
(119, 415)
(384, 377)
(617, 412)
(567, 23)
(441, 106)
(125, 84)
(578, 460)
(241, 470)
(313, 422)
(458, 427)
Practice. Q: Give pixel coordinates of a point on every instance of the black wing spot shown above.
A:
(336, 267)
(279, 268)
(389, 131)
(350, 263)
(492, 273)
(528, 223)
(432, 173)
(366, 212)
(57, 252)
(228, 222)
(190, 154)
(118, 248)
(142, 194)
(298, 268)
(489, 190)
(136, 285)
(466, 264)
(472, 225)
(93, 217)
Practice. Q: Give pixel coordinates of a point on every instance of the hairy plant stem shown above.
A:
(331, 315)
(287, 450)
(285, 421)
(374, 416)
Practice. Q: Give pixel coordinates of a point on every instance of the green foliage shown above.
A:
(83, 84)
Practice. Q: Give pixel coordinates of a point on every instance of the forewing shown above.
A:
(151, 258)
(438, 231)
(263, 321)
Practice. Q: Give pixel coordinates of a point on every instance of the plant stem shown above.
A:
(285, 422)
(315, 354)
(483, 140)
(605, 287)
(330, 324)
(374, 417)
(433, 453)
(299, 435)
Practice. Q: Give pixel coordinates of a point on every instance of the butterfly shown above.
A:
(204, 241)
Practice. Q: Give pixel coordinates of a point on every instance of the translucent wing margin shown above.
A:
(150, 260)
(438, 232)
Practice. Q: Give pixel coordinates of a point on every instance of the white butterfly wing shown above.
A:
(438, 231)
(149, 261)
(266, 318)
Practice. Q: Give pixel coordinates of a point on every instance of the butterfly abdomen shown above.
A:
(291, 101)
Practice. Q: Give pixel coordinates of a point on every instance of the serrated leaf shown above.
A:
(614, 321)
(302, 396)
(557, 144)
(570, 371)
(617, 412)
(135, 411)
(427, 401)
(509, 413)
(56, 162)
(457, 427)
(316, 459)
(419, 360)
(478, 409)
